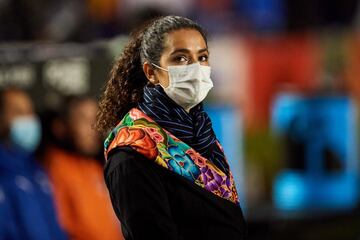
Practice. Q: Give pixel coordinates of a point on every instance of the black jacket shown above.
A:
(155, 203)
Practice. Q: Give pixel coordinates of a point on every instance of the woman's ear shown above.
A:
(150, 73)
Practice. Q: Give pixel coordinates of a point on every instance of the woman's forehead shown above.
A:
(190, 39)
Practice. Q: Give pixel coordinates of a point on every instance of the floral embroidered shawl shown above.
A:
(145, 136)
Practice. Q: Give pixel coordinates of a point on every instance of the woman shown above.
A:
(166, 172)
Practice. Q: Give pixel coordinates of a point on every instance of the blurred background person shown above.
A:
(26, 203)
(70, 158)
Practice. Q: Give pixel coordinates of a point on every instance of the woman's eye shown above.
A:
(181, 59)
(204, 58)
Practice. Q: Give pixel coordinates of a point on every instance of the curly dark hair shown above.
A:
(124, 89)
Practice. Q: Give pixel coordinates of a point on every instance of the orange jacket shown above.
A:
(81, 196)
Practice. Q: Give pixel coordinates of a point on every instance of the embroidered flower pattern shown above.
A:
(154, 134)
(182, 164)
(136, 138)
(141, 133)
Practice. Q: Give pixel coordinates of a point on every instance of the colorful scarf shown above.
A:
(193, 128)
(144, 135)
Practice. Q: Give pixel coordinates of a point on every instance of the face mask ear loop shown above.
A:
(159, 67)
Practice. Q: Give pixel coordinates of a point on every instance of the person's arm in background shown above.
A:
(138, 197)
(84, 209)
(25, 213)
(46, 199)
(5, 214)
(64, 203)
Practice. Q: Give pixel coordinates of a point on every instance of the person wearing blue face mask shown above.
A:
(166, 172)
(26, 202)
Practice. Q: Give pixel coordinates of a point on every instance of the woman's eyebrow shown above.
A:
(185, 50)
(181, 50)
(203, 50)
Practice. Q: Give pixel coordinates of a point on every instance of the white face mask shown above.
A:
(188, 84)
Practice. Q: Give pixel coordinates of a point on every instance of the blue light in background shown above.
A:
(294, 190)
(290, 191)
(322, 124)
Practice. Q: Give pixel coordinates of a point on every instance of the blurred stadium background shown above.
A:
(286, 74)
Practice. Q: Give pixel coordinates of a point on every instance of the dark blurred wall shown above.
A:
(302, 15)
